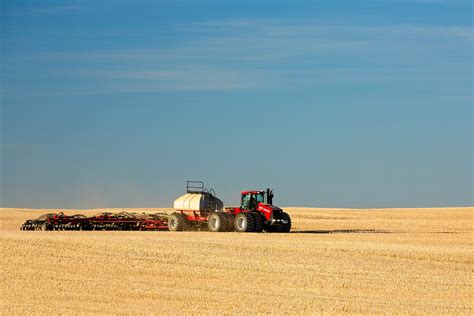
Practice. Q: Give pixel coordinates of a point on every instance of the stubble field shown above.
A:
(334, 261)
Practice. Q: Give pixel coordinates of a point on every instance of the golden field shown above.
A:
(335, 261)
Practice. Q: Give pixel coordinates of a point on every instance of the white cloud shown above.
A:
(176, 79)
(263, 53)
(271, 40)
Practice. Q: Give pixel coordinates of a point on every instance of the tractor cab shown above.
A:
(251, 199)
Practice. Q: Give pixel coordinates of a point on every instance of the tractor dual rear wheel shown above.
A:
(244, 222)
(258, 226)
(250, 222)
(230, 222)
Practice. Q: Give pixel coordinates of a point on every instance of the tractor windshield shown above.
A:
(260, 197)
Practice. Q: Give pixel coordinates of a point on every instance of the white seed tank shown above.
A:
(195, 201)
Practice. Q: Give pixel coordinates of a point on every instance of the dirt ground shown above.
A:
(334, 261)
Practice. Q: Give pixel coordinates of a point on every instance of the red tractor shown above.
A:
(200, 209)
(257, 213)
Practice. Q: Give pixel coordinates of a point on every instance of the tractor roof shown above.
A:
(253, 192)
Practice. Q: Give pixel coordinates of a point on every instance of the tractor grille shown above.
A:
(277, 214)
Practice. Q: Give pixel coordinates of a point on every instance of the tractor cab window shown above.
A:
(245, 201)
(250, 200)
(260, 197)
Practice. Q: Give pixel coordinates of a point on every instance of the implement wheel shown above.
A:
(217, 222)
(244, 222)
(177, 222)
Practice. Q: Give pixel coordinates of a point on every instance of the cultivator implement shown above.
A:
(102, 221)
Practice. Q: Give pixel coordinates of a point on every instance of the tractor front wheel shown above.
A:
(286, 227)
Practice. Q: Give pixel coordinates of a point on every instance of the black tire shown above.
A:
(244, 222)
(177, 222)
(286, 227)
(217, 222)
(258, 227)
(273, 229)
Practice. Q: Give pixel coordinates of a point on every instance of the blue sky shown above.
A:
(331, 103)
